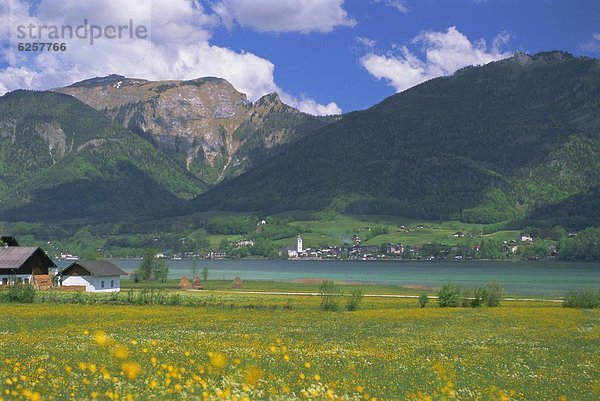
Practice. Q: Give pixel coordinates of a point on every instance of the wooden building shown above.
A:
(24, 265)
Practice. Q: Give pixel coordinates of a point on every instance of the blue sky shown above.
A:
(322, 56)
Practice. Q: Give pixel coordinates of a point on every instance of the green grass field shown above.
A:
(253, 347)
(311, 286)
(341, 228)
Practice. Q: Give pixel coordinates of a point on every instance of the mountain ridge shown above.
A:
(205, 124)
(453, 147)
(61, 159)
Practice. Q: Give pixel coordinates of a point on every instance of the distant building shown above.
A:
(397, 249)
(459, 234)
(510, 246)
(299, 248)
(526, 238)
(95, 276)
(243, 243)
(25, 265)
(220, 254)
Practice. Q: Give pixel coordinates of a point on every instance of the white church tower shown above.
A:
(299, 244)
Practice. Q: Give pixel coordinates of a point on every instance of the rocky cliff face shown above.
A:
(207, 126)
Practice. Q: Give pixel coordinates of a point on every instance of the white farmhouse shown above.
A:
(95, 276)
(526, 238)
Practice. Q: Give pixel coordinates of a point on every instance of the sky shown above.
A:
(321, 56)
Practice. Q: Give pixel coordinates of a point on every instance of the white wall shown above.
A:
(94, 284)
(14, 278)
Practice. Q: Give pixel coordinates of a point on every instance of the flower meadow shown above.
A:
(383, 352)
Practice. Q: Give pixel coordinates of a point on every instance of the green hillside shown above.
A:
(60, 160)
(493, 143)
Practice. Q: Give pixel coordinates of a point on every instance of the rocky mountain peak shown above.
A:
(202, 123)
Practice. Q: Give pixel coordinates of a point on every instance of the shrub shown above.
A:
(354, 300)
(493, 294)
(24, 294)
(449, 296)
(423, 299)
(477, 297)
(584, 299)
(329, 293)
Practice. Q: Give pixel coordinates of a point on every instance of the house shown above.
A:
(510, 246)
(96, 276)
(397, 249)
(218, 254)
(458, 234)
(25, 265)
(526, 238)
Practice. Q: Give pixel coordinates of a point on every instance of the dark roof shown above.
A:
(97, 268)
(13, 257)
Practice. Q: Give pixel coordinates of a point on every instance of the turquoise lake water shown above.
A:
(549, 279)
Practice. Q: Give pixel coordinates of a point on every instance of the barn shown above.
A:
(25, 265)
(95, 276)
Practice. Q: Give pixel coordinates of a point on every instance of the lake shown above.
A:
(539, 278)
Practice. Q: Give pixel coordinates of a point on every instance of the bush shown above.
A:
(449, 296)
(329, 293)
(354, 300)
(423, 299)
(477, 297)
(493, 294)
(24, 294)
(584, 299)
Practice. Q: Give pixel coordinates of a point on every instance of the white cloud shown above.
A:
(445, 52)
(178, 47)
(366, 42)
(593, 45)
(310, 106)
(399, 5)
(303, 16)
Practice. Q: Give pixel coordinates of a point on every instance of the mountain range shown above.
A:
(511, 140)
(504, 141)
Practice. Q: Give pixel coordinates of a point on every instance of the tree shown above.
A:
(194, 269)
(205, 274)
(354, 300)
(490, 249)
(493, 294)
(329, 293)
(144, 272)
(449, 296)
(152, 269)
(423, 299)
(160, 270)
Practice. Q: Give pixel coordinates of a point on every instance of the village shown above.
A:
(508, 249)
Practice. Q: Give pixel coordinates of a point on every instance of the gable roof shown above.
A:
(13, 257)
(97, 268)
